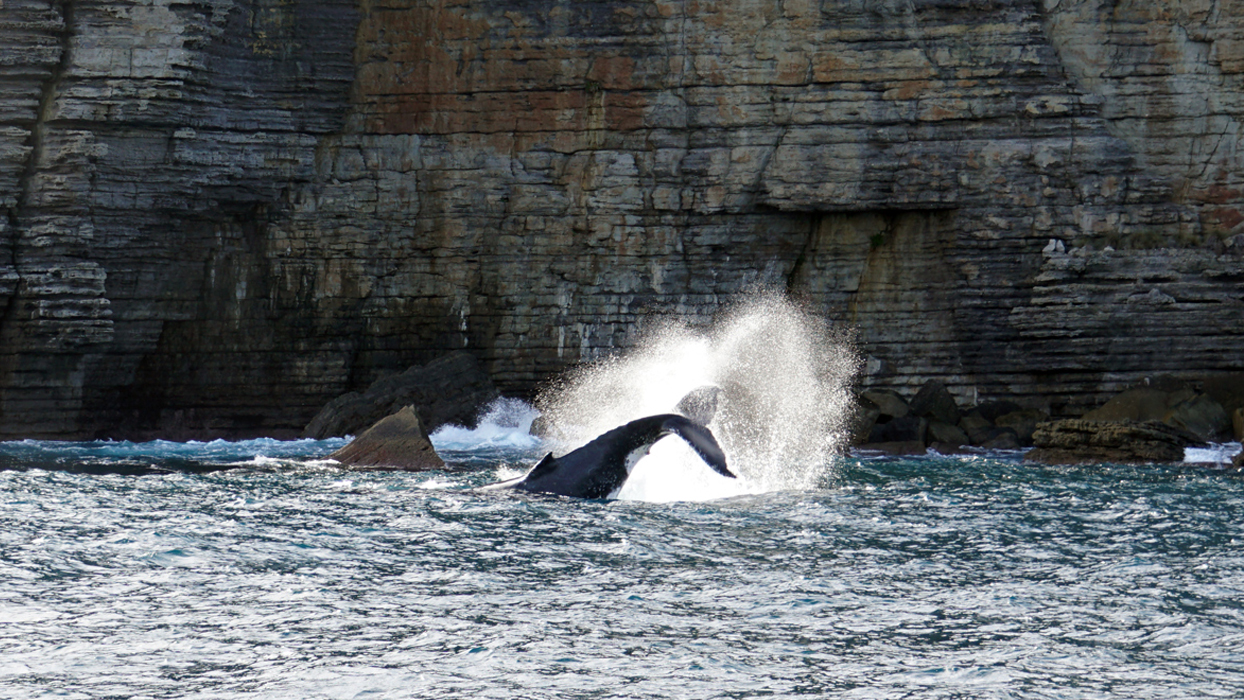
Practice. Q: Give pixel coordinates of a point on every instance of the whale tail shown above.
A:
(700, 439)
(600, 468)
(700, 404)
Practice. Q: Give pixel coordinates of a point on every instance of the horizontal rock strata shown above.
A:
(221, 215)
(1075, 441)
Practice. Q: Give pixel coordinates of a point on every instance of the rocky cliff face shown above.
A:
(220, 215)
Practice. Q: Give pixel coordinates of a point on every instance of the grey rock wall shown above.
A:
(221, 215)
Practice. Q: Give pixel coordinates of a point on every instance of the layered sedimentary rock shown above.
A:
(220, 215)
(1075, 441)
(146, 146)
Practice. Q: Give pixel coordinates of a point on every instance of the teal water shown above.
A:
(256, 570)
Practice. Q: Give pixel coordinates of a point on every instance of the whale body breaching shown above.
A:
(601, 467)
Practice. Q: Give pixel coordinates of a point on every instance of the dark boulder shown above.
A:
(397, 442)
(934, 401)
(1137, 405)
(976, 426)
(1023, 422)
(946, 434)
(1001, 439)
(450, 389)
(1227, 390)
(1200, 415)
(1077, 441)
(905, 429)
(993, 410)
(863, 419)
(889, 404)
(1181, 406)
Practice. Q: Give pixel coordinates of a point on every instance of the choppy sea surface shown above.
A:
(259, 570)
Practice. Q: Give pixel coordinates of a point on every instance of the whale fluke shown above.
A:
(601, 467)
(700, 404)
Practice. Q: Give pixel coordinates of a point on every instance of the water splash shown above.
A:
(784, 375)
(506, 422)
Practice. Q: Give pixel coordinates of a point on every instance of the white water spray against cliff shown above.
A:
(782, 411)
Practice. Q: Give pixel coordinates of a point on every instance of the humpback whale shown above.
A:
(700, 405)
(601, 467)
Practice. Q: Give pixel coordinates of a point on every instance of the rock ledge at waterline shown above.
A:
(1075, 441)
(1153, 422)
(395, 442)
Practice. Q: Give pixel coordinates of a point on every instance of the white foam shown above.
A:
(506, 423)
(672, 471)
(1215, 453)
(509, 472)
(436, 484)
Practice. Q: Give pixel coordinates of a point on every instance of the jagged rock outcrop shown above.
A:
(398, 441)
(221, 215)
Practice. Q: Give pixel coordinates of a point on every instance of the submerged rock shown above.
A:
(1078, 441)
(398, 442)
(450, 389)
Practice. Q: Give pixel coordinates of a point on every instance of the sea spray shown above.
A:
(784, 373)
(504, 422)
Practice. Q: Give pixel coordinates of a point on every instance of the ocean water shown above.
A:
(260, 570)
